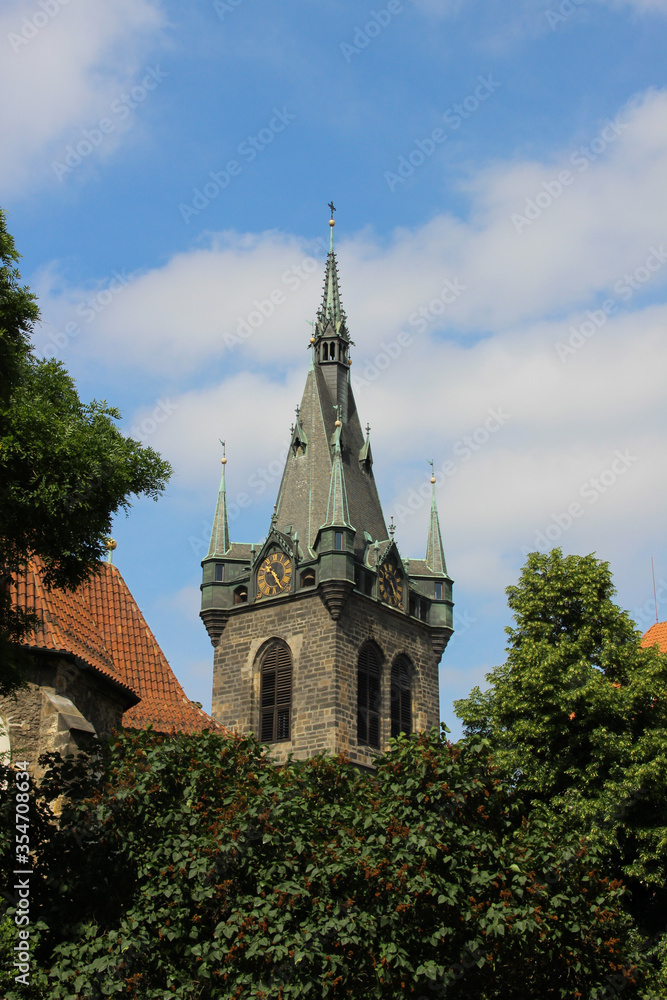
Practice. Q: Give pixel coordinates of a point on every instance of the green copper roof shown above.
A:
(220, 533)
(338, 513)
(331, 313)
(435, 552)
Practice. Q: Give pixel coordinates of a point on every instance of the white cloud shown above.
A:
(493, 348)
(585, 218)
(64, 64)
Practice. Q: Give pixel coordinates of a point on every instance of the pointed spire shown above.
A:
(220, 533)
(365, 454)
(435, 552)
(331, 311)
(338, 513)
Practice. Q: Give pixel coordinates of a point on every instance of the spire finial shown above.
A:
(332, 223)
(435, 553)
(368, 430)
(220, 532)
(392, 526)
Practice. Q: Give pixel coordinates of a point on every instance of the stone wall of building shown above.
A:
(60, 709)
(324, 664)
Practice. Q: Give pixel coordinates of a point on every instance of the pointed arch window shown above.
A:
(276, 693)
(368, 696)
(401, 696)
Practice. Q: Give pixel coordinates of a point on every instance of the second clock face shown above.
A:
(390, 585)
(274, 575)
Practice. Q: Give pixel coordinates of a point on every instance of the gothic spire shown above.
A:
(435, 552)
(331, 312)
(338, 513)
(220, 533)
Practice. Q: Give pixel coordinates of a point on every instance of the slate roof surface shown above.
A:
(101, 625)
(656, 634)
(304, 491)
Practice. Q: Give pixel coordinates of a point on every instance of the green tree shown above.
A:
(577, 717)
(192, 867)
(65, 468)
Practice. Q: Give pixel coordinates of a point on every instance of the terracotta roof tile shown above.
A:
(656, 634)
(101, 624)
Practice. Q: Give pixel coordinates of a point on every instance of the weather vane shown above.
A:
(332, 207)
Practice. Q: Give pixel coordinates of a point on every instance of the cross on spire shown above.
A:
(332, 207)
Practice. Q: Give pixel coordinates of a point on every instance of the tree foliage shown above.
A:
(65, 468)
(577, 715)
(192, 867)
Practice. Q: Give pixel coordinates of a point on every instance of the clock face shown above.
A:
(274, 575)
(390, 585)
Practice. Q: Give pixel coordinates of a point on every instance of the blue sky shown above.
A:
(499, 172)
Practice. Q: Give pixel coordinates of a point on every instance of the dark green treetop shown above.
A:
(577, 715)
(65, 467)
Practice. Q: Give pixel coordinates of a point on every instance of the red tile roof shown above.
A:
(101, 625)
(656, 634)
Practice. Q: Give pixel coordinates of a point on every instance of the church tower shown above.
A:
(325, 638)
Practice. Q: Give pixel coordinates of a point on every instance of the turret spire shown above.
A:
(220, 533)
(338, 513)
(435, 552)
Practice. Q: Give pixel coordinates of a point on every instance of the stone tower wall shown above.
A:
(324, 678)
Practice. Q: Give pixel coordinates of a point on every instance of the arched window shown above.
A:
(276, 693)
(325, 352)
(240, 595)
(308, 578)
(401, 696)
(368, 696)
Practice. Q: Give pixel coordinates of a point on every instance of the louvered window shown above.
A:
(401, 697)
(276, 694)
(368, 697)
